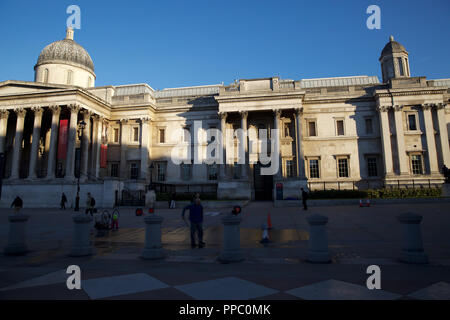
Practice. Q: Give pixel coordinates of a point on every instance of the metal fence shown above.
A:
(366, 184)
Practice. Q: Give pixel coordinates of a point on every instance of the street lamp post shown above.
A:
(151, 167)
(80, 130)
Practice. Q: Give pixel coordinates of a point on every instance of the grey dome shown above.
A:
(392, 47)
(66, 51)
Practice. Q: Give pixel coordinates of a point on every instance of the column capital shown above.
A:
(145, 119)
(21, 112)
(55, 109)
(277, 112)
(298, 111)
(124, 120)
(4, 114)
(428, 106)
(244, 114)
(87, 113)
(223, 115)
(398, 107)
(441, 106)
(74, 108)
(37, 111)
(383, 108)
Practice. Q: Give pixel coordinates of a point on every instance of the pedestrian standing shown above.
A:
(63, 201)
(115, 220)
(89, 204)
(196, 221)
(172, 201)
(17, 204)
(304, 198)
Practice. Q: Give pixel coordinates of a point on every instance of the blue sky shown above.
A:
(200, 42)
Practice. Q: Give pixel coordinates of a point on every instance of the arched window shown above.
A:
(45, 75)
(69, 76)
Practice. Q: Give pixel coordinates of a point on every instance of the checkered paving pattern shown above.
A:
(144, 286)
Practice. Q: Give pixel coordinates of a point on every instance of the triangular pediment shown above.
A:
(17, 87)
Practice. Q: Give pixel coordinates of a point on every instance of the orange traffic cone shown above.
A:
(269, 221)
(360, 203)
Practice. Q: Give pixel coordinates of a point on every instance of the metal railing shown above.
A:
(366, 184)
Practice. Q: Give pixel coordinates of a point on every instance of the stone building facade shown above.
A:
(334, 133)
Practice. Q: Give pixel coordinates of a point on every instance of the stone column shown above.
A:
(223, 128)
(153, 248)
(298, 139)
(35, 141)
(98, 148)
(17, 151)
(123, 148)
(412, 246)
(71, 142)
(4, 114)
(144, 147)
(386, 140)
(17, 235)
(443, 134)
(431, 143)
(277, 150)
(231, 244)
(56, 110)
(402, 158)
(85, 145)
(93, 147)
(244, 148)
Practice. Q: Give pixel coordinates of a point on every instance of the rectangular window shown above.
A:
(161, 172)
(340, 127)
(134, 170)
(372, 167)
(290, 168)
(114, 170)
(162, 135)
(400, 66)
(412, 126)
(343, 167)
(314, 168)
(186, 171)
(369, 128)
(312, 129)
(416, 164)
(116, 135)
(135, 134)
(212, 172)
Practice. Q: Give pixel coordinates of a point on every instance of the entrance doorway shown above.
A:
(263, 183)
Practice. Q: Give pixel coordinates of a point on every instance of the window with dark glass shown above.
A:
(314, 168)
(416, 163)
(400, 66)
(116, 134)
(114, 169)
(135, 134)
(372, 166)
(312, 128)
(340, 127)
(290, 168)
(412, 122)
(161, 172)
(186, 171)
(162, 135)
(343, 167)
(134, 170)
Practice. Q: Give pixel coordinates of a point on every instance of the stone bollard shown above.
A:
(153, 249)
(231, 246)
(81, 242)
(412, 246)
(17, 235)
(318, 241)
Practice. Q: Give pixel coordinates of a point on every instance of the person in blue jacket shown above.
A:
(196, 220)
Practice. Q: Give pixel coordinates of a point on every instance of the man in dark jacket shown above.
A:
(304, 198)
(17, 204)
(196, 220)
(63, 201)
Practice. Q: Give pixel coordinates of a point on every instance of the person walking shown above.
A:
(63, 201)
(196, 221)
(89, 208)
(172, 200)
(17, 204)
(304, 198)
(115, 220)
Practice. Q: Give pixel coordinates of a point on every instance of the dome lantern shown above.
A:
(394, 61)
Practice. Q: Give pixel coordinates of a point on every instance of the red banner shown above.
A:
(103, 155)
(62, 139)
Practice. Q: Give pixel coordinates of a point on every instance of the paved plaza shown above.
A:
(358, 237)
